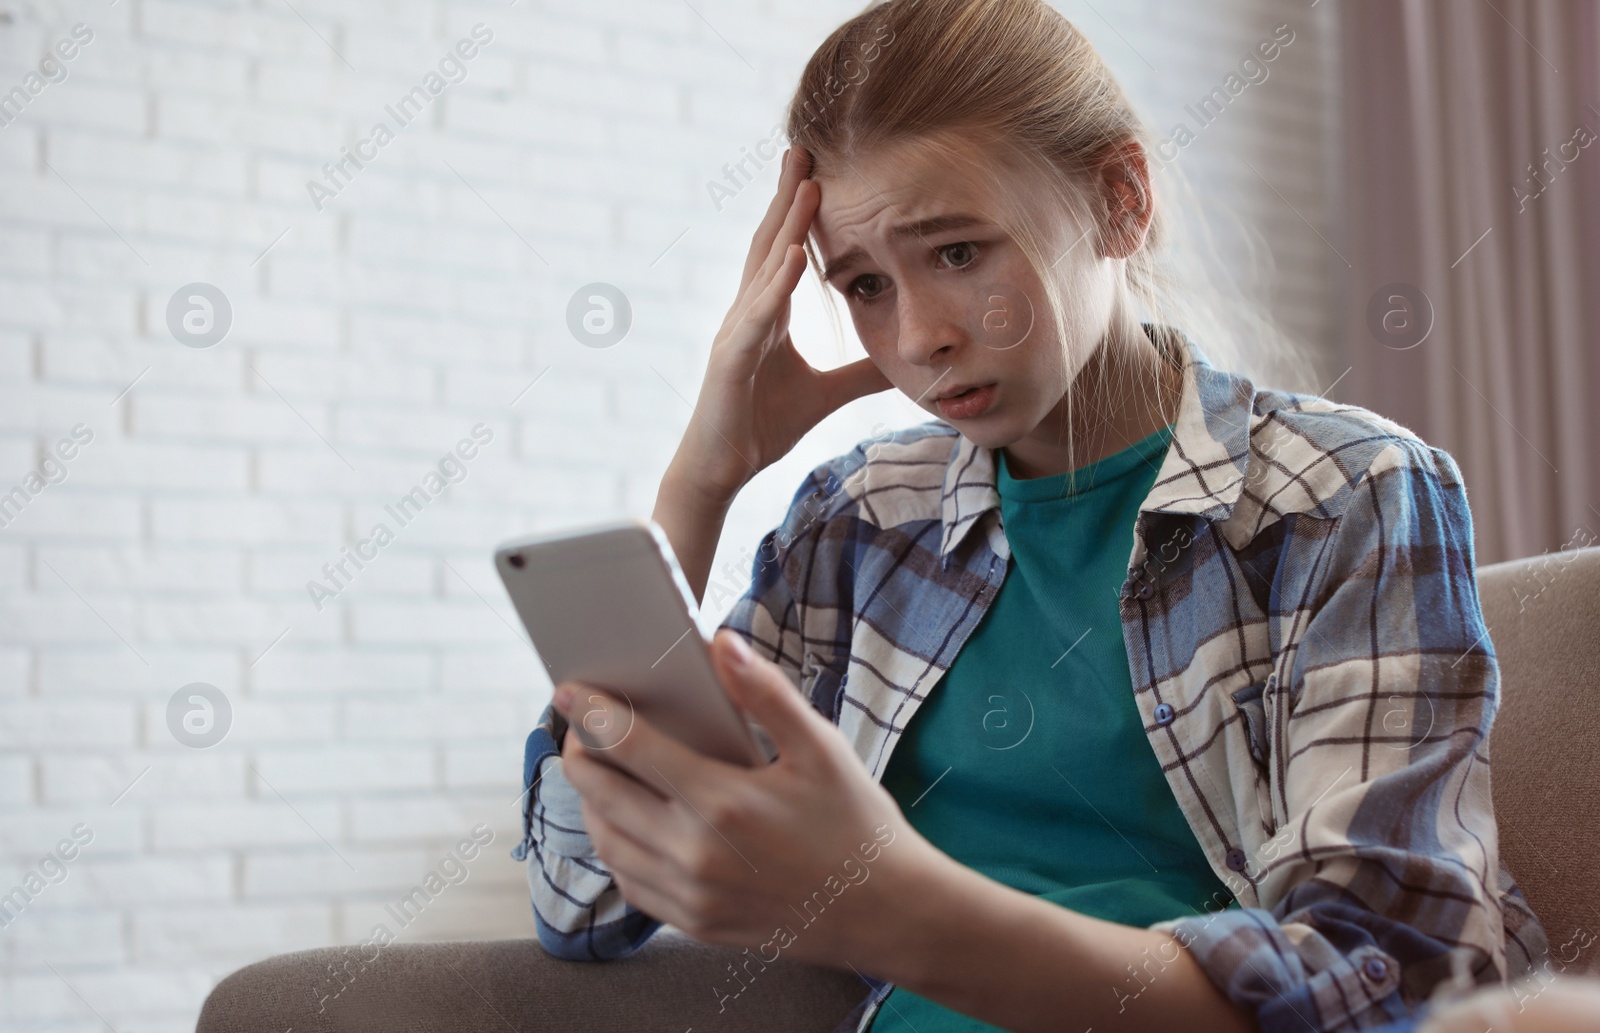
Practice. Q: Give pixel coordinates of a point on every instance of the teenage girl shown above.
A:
(1133, 695)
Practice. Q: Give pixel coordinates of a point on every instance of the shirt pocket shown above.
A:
(1252, 702)
(822, 682)
(1253, 712)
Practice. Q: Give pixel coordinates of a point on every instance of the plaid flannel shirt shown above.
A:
(1307, 651)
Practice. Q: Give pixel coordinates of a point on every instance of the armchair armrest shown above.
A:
(670, 984)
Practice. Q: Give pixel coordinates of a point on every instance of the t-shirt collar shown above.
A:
(1203, 472)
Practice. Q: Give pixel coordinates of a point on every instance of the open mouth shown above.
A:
(966, 404)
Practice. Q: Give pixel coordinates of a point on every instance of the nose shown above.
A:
(930, 330)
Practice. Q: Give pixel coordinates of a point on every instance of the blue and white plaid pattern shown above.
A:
(1307, 650)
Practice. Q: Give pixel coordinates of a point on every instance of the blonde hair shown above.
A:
(1036, 107)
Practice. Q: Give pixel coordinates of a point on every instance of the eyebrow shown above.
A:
(920, 228)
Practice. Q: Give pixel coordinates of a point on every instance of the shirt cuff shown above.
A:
(1287, 975)
(558, 813)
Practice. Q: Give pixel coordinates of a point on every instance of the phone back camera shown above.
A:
(516, 560)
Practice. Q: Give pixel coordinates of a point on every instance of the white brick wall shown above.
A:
(368, 737)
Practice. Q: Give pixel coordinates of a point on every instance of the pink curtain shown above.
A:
(1471, 134)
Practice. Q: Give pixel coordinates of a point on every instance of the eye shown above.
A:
(856, 292)
(866, 288)
(971, 248)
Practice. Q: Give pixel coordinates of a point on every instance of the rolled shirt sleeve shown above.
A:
(578, 910)
(1390, 882)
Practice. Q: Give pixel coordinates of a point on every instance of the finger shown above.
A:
(639, 833)
(640, 875)
(571, 746)
(579, 758)
(591, 726)
(660, 825)
(767, 230)
(643, 751)
(795, 169)
(598, 718)
(609, 787)
(764, 309)
(796, 227)
(760, 688)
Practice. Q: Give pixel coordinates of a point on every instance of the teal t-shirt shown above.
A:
(1029, 762)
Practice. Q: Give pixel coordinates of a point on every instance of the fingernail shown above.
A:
(563, 698)
(742, 654)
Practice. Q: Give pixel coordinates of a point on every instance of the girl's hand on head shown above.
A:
(727, 853)
(759, 396)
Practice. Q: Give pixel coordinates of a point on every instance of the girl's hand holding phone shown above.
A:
(760, 396)
(724, 852)
(727, 853)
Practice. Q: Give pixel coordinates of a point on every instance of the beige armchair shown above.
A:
(1543, 615)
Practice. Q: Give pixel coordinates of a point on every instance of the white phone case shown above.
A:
(607, 604)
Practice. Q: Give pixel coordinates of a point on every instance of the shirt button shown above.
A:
(1236, 859)
(1376, 969)
(1163, 713)
(1143, 590)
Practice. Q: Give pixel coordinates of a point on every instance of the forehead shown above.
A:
(864, 200)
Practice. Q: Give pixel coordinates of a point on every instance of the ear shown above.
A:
(1123, 177)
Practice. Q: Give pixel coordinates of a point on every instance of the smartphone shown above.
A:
(607, 604)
